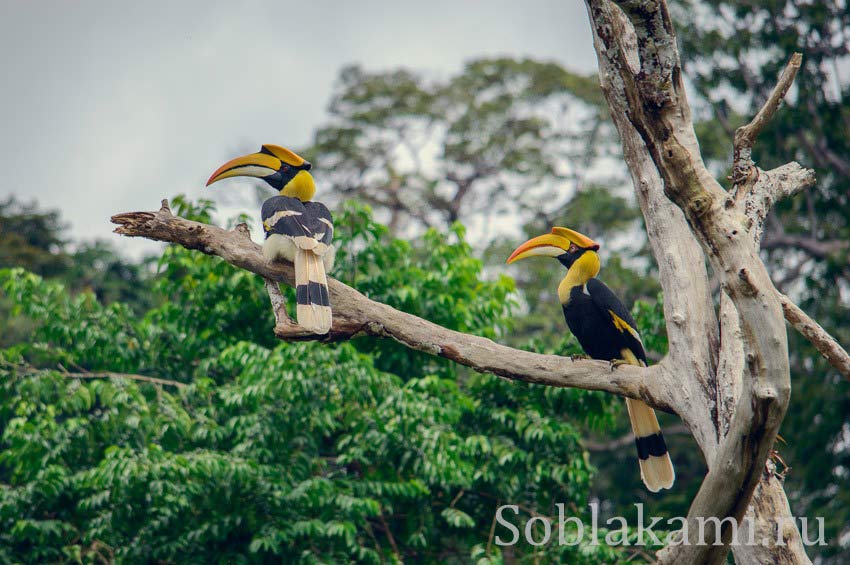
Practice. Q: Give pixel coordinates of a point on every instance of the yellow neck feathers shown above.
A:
(585, 268)
(301, 187)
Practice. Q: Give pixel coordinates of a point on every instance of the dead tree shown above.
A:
(726, 374)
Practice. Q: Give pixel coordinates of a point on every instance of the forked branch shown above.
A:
(745, 136)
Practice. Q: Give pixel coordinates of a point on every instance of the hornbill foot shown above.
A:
(579, 357)
(614, 363)
(770, 465)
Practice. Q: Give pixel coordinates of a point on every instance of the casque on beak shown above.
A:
(552, 244)
(272, 163)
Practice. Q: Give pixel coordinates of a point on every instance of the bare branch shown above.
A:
(354, 315)
(817, 248)
(132, 377)
(30, 370)
(746, 177)
(285, 327)
(648, 88)
(389, 533)
(819, 337)
(745, 136)
(757, 195)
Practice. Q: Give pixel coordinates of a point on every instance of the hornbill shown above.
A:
(296, 229)
(605, 330)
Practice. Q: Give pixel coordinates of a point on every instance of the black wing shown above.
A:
(288, 216)
(619, 316)
(324, 225)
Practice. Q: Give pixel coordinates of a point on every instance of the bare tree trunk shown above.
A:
(770, 516)
(744, 392)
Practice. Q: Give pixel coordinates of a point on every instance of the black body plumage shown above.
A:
(598, 320)
(588, 315)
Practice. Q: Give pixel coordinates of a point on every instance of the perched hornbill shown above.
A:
(605, 330)
(297, 229)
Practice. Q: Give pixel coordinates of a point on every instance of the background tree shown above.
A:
(31, 238)
(486, 146)
(35, 240)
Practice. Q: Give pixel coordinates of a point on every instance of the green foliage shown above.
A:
(437, 278)
(653, 328)
(35, 240)
(73, 329)
(276, 451)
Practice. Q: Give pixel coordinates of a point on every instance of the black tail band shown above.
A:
(312, 293)
(651, 446)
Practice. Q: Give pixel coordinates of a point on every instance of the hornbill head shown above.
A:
(564, 244)
(281, 168)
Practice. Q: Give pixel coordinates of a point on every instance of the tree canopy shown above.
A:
(430, 150)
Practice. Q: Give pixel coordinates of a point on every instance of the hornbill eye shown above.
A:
(573, 248)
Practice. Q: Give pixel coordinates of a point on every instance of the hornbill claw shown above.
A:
(770, 465)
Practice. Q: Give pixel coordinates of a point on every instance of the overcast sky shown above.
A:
(110, 106)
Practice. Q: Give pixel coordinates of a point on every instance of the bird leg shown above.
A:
(579, 357)
(616, 363)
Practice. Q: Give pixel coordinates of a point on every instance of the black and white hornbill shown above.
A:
(605, 330)
(297, 229)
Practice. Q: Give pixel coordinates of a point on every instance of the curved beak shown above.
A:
(549, 245)
(259, 165)
(552, 244)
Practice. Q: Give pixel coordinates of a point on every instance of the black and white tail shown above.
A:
(313, 309)
(656, 469)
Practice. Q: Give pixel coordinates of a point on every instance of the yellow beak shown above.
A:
(255, 165)
(552, 244)
(268, 161)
